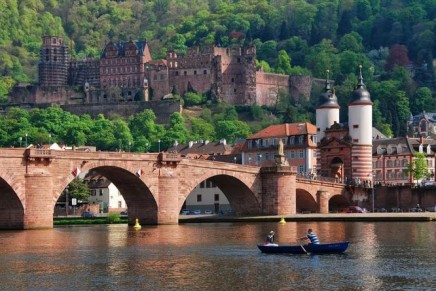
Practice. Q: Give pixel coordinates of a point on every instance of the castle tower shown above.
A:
(360, 131)
(327, 110)
(53, 64)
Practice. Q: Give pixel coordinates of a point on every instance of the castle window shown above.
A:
(204, 72)
(239, 60)
(233, 80)
(355, 126)
(195, 72)
(177, 73)
(185, 73)
(234, 90)
(161, 77)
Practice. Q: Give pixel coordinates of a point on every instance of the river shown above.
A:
(218, 256)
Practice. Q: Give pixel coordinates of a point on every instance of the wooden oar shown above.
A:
(299, 242)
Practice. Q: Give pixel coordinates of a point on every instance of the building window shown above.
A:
(202, 184)
(101, 192)
(301, 169)
(292, 140)
(292, 155)
(217, 197)
(301, 139)
(198, 197)
(301, 154)
(93, 193)
(355, 126)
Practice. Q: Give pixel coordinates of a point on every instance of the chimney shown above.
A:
(206, 142)
(175, 143)
(223, 141)
(191, 143)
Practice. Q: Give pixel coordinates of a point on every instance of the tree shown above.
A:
(418, 168)
(77, 189)
(397, 56)
(192, 98)
(283, 63)
(423, 101)
(232, 129)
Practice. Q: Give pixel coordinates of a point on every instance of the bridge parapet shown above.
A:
(39, 153)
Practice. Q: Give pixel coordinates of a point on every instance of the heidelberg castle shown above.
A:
(126, 73)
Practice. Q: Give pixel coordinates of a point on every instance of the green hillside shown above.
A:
(395, 41)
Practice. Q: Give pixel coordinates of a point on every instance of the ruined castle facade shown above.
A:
(127, 73)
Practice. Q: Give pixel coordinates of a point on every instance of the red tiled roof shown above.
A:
(285, 129)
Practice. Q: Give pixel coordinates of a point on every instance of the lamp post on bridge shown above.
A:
(26, 140)
(159, 145)
(49, 139)
(129, 146)
(373, 178)
(234, 159)
(66, 201)
(20, 139)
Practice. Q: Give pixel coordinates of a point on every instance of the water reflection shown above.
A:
(382, 256)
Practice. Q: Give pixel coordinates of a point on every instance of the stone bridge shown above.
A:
(154, 185)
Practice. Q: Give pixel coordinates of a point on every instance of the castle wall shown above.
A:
(268, 87)
(403, 197)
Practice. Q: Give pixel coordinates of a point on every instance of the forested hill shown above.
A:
(394, 40)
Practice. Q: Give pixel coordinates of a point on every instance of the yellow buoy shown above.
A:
(282, 221)
(137, 226)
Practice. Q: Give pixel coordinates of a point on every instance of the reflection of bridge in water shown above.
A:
(154, 186)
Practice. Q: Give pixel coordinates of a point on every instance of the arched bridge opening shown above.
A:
(241, 198)
(139, 199)
(305, 202)
(11, 208)
(337, 202)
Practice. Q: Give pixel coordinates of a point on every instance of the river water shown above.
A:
(218, 256)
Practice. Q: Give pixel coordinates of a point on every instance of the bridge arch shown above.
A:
(11, 204)
(241, 191)
(305, 201)
(140, 200)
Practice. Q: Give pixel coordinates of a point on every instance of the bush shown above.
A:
(113, 218)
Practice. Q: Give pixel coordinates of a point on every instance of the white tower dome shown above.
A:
(327, 110)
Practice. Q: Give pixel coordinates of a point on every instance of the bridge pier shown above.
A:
(322, 198)
(39, 201)
(278, 190)
(168, 206)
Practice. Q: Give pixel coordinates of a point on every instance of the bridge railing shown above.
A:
(313, 177)
(38, 153)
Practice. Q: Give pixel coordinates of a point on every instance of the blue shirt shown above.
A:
(313, 238)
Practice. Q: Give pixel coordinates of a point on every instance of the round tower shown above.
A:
(53, 63)
(360, 130)
(327, 110)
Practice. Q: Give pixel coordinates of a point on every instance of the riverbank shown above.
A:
(397, 216)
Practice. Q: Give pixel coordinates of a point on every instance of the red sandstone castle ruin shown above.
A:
(126, 72)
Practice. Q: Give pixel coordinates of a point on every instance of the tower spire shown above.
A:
(360, 83)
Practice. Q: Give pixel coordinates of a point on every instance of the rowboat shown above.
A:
(327, 248)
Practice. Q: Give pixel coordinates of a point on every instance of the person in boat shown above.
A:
(270, 238)
(311, 236)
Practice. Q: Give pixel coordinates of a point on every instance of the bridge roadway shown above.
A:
(154, 185)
